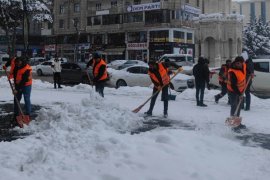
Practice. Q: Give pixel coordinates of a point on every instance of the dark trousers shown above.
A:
(100, 88)
(26, 92)
(57, 79)
(234, 98)
(248, 97)
(223, 91)
(164, 98)
(200, 87)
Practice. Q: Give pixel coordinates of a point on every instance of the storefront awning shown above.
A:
(114, 51)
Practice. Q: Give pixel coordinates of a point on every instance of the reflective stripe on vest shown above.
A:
(20, 74)
(163, 74)
(96, 69)
(225, 74)
(241, 80)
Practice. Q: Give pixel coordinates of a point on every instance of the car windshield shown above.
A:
(131, 62)
(181, 59)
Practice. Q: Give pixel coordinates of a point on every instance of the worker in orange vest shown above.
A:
(22, 74)
(159, 75)
(10, 63)
(223, 78)
(236, 83)
(99, 72)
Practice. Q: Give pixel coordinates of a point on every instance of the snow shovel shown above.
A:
(235, 120)
(141, 106)
(21, 119)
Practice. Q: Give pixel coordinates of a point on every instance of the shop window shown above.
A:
(111, 19)
(77, 7)
(157, 16)
(133, 17)
(178, 36)
(189, 38)
(261, 66)
(135, 37)
(159, 36)
(61, 23)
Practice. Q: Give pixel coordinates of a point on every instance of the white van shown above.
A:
(179, 59)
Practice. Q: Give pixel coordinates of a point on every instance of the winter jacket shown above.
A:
(101, 71)
(56, 66)
(250, 67)
(201, 73)
(25, 77)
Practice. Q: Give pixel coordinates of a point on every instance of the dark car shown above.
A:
(75, 73)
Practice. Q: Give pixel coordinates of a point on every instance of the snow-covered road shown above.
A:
(82, 136)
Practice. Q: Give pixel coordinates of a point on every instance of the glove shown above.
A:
(15, 92)
(4, 67)
(159, 88)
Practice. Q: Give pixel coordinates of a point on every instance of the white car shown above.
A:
(116, 63)
(138, 76)
(129, 63)
(36, 60)
(62, 59)
(44, 68)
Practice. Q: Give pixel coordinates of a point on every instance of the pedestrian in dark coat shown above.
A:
(249, 73)
(201, 74)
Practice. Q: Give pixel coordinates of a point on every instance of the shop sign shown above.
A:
(191, 9)
(50, 47)
(143, 7)
(136, 46)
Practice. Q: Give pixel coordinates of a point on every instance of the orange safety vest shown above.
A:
(241, 80)
(12, 65)
(96, 69)
(221, 78)
(20, 74)
(163, 74)
(245, 68)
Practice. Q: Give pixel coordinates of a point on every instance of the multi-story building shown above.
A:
(123, 29)
(252, 9)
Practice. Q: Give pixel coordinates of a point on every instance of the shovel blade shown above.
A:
(137, 109)
(233, 121)
(23, 119)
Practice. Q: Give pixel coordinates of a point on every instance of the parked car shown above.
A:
(62, 59)
(75, 73)
(131, 63)
(36, 60)
(260, 85)
(137, 75)
(44, 68)
(116, 63)
(179, 59)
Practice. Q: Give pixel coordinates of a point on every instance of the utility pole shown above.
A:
(75, 23)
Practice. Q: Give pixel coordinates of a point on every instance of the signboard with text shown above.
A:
(143, 7)
(136, 46)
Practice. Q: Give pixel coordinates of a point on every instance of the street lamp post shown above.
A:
(25, 27)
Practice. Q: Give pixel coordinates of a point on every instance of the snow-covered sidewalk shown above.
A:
(82, 136)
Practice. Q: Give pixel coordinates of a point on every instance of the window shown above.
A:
(137, 2)
(155, 1)
(97, 20)
(189, 38)
(134, 70)
(77, 7)
(114, 3)
(111, 19)
(263, 11)
(144, 70)
(157, 16)
(98, 6)
(47, 63)
(198, 3)
(98, 39)
(116, 39)
(133, 17)
(61, 23)
(178, 36)
(252, 11)
(61, 9)
(135, 37)
(159, 36)
(261, 66)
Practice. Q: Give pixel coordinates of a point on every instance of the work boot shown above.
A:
(60, 87)
(203, 105)
(147, 113)
(165, 115)
(198, 103)
(14, 123)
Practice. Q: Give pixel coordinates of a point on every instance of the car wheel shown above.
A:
(120, 82)
(39, 72)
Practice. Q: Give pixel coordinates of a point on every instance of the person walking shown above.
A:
(223, 78)
(249, 73)
(56, 66)
(22, 75)
(201, 74)
(159, 75)
(99, 72)
(236, 84)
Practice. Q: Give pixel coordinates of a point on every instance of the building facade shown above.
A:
(252, 9)
(123, 29)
